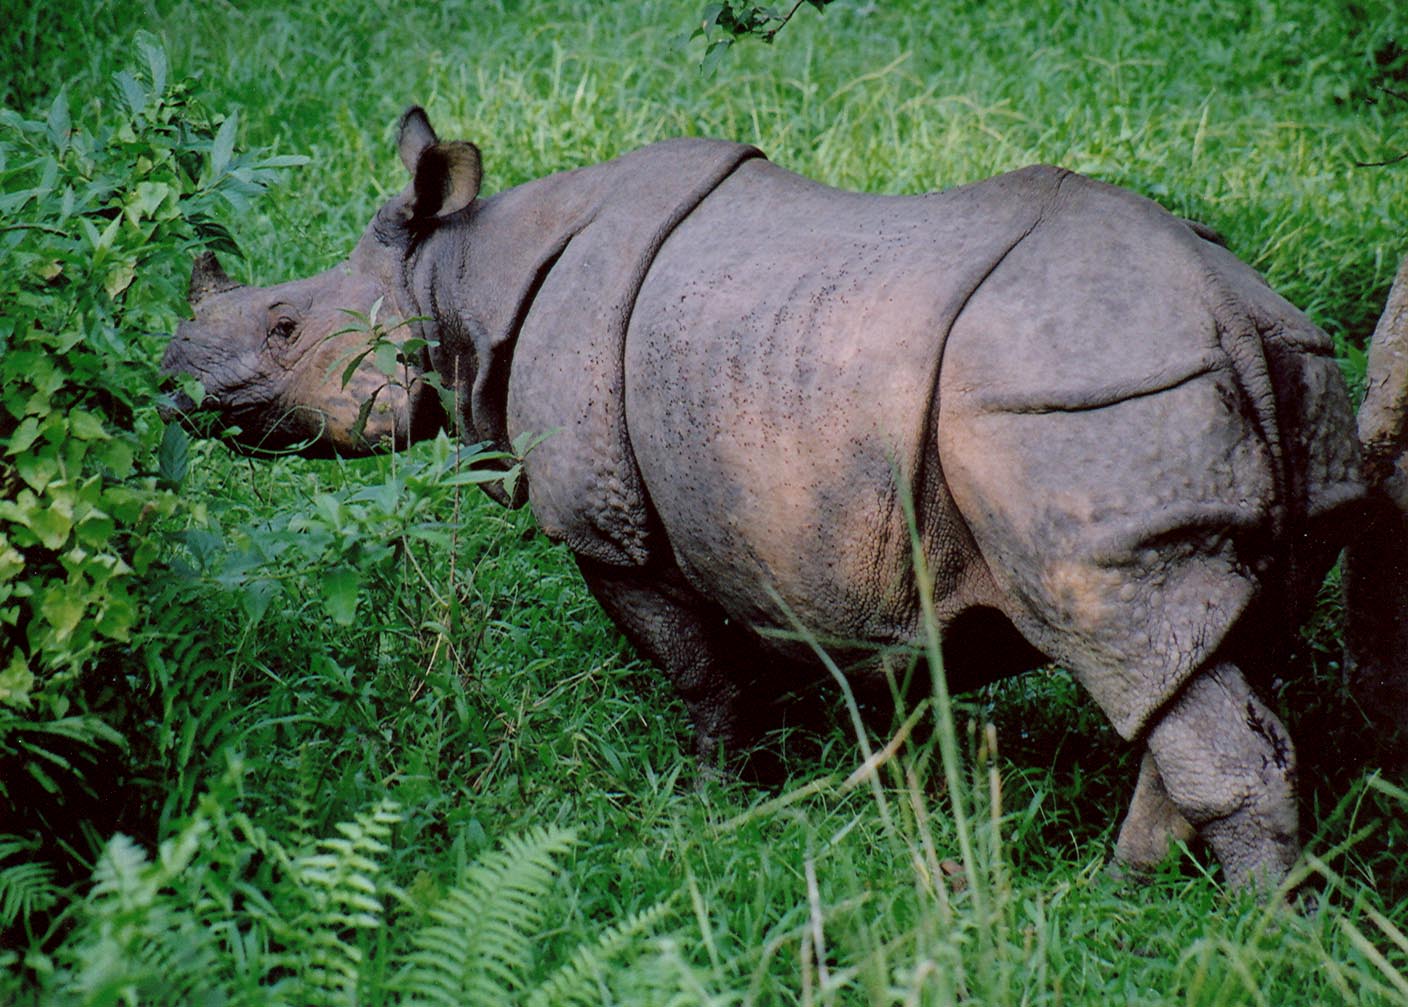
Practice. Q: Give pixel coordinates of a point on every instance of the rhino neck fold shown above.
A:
(532, 292)
(475, 280)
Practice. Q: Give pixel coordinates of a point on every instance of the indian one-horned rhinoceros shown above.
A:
(1126, 454)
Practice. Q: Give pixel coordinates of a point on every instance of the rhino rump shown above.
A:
(1150, 447)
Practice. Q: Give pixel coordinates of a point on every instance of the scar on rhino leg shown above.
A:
(1280, 744)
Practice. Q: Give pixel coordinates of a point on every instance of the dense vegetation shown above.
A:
(277, 731)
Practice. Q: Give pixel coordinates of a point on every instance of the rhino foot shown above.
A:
(1229, 768)
(1152, 826)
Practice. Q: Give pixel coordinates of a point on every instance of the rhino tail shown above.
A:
(1375, 565)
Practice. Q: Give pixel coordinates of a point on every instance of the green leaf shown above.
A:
(87, 427)
(16, 681)
(25, 435)
(473, 477)
(284, 161)
(223, 146)
(96, 529)
(173, 457)
(53, 523)
(11, 562)
(713, 55)
(364, 412)
(147, 200)
(58, 124)
(38, 469)
(133, 93)
(118, 614)
(385, 358)
(108, 235)
(63, 609)
(352, 366)
(256, 597)
(155, 55)
(54, 427)
(340, 588)
(116, 455)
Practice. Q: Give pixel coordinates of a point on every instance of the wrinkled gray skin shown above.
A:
(1126, 453)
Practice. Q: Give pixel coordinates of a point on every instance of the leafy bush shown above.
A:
(101, 222)
(101, 219)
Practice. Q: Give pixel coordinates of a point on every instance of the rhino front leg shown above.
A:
(1228, 766)
(706, 659)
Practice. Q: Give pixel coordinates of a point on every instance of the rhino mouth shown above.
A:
(247, 429)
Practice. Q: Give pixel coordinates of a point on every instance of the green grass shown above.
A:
(479, 694)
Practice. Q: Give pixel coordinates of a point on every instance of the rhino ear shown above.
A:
(445, 176)
(446, 180)
(414, 136)
(207, 277)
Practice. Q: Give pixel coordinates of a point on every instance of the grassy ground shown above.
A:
(488, 697)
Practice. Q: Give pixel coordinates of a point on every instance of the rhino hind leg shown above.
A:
(1375, 582)
(713, 666)
(1228, 766)
(1152, 825)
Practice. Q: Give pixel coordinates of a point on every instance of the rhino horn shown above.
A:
(1376, 562)
(207, 277)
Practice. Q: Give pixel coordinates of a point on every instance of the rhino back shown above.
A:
(780, 372)
(1136, 429)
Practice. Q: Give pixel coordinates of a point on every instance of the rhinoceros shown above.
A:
(1125, 453)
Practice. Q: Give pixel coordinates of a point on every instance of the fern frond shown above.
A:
(141, 942)
(480, 946)
(338, 881)
(120, 875)
(576, 980)
(86, 729)
(300, 820)
(25, 747)
(26, 887)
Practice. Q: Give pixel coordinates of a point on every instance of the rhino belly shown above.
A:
(780, 372)
(774, 472)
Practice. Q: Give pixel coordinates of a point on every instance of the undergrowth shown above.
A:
(373, 740)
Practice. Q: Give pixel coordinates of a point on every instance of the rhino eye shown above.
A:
(282, 328)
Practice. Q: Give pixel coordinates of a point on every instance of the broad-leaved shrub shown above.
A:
(101, 209)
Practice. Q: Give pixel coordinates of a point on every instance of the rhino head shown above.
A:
(276, 363)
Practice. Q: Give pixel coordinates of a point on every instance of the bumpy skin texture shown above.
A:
(1125, 452)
